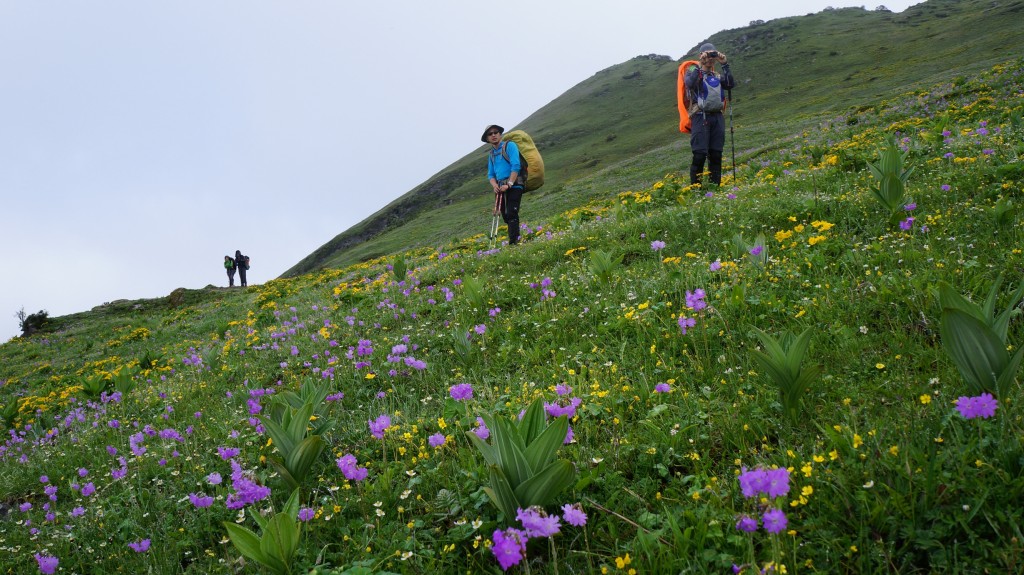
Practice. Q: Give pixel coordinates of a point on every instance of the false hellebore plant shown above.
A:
(892, 178)
(781, 360)
(975, 339)
(521, 460)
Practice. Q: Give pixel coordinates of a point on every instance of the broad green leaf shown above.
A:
(508, 446)
(532, 424)
(291, 507)
(1001, 323)
(304, 456)
(543, 450)
(247, 543)
(486, 450)
(282, 469)
(978, 353)
(1009, 374)
(281, 540)
(544, 487)
(299, 422)
(283, 441)
(501, 493)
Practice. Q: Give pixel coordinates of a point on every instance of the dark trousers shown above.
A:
(241, 276)
(231, 277)
(510, 212)
(707, 140)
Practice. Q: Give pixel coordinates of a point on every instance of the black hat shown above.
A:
(483, 138)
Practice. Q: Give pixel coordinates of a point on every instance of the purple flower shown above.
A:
(509, 547)
(907, 224)
(307, 514)
(774, 521)
(695, 299)
(778, 482)
(715, 265)
(349, 467)
(227, 453)
(574, 515)
(946, 187)
(481, 430)
(480, 329)
(983, 406)
(88, 489)
(44, 479)
(140, 546)
(200, 501)
(662, 388)
(25, 507)
(461, 392)
(756, 250)
(686, 322)
(78, 511)
(82, 472)
(657, 245)
(910, 207)
(46, 563)
(568, 410)
(562, 389)
(214, 478)
(536, 523)
(747, 523)
(436, 440)
(379, 425)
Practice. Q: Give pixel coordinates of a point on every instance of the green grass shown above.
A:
(885, 475)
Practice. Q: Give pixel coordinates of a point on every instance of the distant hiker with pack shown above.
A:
(229, 266)
(504, 172)
(242, 263)
(702, 99)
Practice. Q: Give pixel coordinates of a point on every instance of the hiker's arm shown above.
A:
(727, 80)
(692, 74)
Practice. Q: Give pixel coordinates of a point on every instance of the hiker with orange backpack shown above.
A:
(504, 174)
(704, 99)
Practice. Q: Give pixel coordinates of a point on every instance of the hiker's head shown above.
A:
(708, 52)
(490, 131)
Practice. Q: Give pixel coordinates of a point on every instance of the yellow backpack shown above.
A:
(531, 163)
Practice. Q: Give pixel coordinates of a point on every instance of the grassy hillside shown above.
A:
(789, 71)
(615, 377)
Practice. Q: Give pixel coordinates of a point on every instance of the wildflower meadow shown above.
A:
(811, 369)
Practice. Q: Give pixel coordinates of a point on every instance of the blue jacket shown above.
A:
(498, 167)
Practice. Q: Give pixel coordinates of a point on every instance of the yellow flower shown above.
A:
(879, 366)
(894, 450)
(857, 441)
(925, 399)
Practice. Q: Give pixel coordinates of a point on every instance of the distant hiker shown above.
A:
(242, 263)
(229, 266)
(503, 169)
(706, 96)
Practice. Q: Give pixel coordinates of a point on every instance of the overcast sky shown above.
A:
(140, 142)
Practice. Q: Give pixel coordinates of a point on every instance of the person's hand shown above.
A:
(721, 58)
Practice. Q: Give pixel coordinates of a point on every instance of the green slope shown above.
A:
(618, 128)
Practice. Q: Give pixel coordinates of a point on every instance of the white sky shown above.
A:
(140, 142)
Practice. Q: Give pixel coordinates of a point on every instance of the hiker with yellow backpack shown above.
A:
(702, 98)
(514, 166)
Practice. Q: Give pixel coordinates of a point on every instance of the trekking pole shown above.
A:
(494, 219)
(732, 137)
